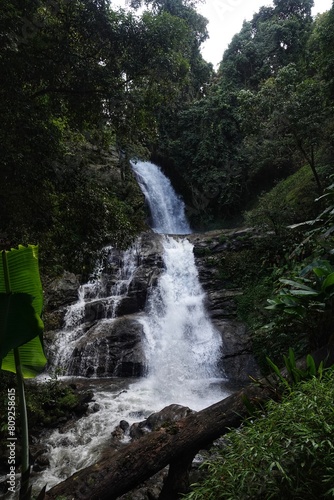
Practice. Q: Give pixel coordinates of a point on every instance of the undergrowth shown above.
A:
(286, 452)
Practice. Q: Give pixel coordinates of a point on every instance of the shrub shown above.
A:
(290, 201)
(286, 453)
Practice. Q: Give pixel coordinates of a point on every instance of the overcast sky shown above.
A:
(226, 18)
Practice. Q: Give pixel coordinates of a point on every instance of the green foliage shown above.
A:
(295, 374)
(308, 299)
(290, 201)
(297, 297)
(60, 95)
(21, 307)
(49, 402)
(46, 404)
(285, 453)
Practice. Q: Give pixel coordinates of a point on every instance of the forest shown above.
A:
(248, 145)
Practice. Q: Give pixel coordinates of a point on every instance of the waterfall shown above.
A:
(181, 347)
(98, 300)
(167, 209)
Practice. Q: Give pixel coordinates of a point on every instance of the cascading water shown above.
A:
(98, 300)
(181, 346)
(167, 209)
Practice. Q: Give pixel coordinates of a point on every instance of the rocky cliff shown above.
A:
(119, 343)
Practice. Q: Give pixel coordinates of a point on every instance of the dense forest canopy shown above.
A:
(266, 112)
(79, 70)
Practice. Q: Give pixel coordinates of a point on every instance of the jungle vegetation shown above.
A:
(85, 86)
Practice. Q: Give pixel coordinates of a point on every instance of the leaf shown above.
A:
(19, 322)
(296, 284)
(311, 367)
(23, 270)
(289, 301)
(21, 305)
(320, 272)
(329, 281)
(32, 358)
(277, 372)
(292, 358)
(303, 293)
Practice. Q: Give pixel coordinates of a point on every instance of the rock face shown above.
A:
(110, 348)
(238, 360)
(106, 341)
(163, 418)
(111, 340)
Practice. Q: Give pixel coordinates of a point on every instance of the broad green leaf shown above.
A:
(301, 293)
(320, 272)
(32, 359)
(311, 365)
(19, 322)
(289, 301)
(296, 284)
(329, 281)
(23, 274)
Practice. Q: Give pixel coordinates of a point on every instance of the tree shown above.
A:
(274, 38)
(69, 71)
(291, 108)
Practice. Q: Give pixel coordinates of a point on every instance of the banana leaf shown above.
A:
(21, 303)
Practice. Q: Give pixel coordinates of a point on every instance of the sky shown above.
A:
(226, 18)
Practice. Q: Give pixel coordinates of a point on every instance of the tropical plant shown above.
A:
(286, 452)
(296, 374)
(312, 290)
(21, 344)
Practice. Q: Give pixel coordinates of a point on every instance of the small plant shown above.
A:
(312, 290)
(296, 375)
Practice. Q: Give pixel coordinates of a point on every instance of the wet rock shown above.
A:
(96, 407)
(41, 463)
(150, 490)
(110, 349)
(237, 360)
(163, 418)
(62, 291)
(124, 425)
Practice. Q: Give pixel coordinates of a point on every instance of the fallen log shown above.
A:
(175, 444)
(128, 467)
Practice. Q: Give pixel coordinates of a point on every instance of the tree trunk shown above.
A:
(176, 444)
(126, 468)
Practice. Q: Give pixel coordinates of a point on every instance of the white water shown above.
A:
(182, 347)
(97, 299)
(166, 207)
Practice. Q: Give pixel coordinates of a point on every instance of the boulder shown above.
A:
(110, 348)
(237, 361)
(61, 291)
(164, 418)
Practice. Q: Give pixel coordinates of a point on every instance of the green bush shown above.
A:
(286, 453)
(290, 201)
